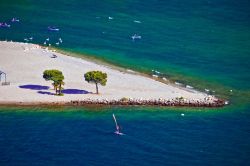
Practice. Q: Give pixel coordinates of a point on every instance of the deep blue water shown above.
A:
(84, 136)
(204, 43)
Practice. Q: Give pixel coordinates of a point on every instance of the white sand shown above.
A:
(25, 63)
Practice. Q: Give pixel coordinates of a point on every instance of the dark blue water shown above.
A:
(84, 136)
(204, 43)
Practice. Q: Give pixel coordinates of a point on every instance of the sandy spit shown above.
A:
(24, 64)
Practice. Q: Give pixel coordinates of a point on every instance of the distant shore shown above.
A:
(24, 64)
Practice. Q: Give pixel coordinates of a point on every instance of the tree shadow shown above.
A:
(40, 88)
(74, 91)
(34, 87)
(45, 93)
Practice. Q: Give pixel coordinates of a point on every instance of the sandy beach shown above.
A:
(24, 65)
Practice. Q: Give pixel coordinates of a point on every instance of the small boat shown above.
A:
(52, 28)
(110, 18)
(15, 20)
(136, 21)
(135, 36)
(118, 132)
(60, 40)
(4, 25)
(157, 72)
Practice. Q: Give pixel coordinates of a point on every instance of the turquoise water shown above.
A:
(208, 40)
(198, 42)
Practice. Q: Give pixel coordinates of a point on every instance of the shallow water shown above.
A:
(202, 43)
(208, 40)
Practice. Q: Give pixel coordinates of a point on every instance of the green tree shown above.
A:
(57, 77)
(96, 77)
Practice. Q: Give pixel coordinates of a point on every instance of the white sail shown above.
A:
(117, 127)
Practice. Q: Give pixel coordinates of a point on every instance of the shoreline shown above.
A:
(121, 102)
(104, 63)
(138, 88)
(99, 61)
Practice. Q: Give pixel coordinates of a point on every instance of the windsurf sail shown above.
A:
(116, 125)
